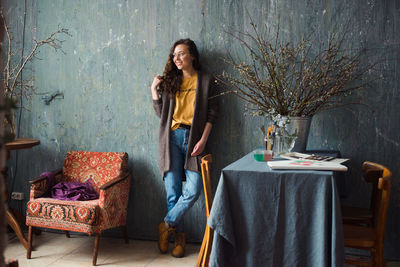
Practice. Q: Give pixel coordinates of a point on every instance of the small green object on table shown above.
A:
(263, 155)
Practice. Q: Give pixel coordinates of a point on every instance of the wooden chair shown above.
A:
(108, 175)
(358, 215)
(371, 237)
(205, 250)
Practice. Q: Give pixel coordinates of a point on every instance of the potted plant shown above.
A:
(291, 82)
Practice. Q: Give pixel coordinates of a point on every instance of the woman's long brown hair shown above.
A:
(172, 76)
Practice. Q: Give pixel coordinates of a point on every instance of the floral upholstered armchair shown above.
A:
(107, 174)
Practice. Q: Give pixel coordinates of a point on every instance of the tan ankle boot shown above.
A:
(179, 246)
(164, 234)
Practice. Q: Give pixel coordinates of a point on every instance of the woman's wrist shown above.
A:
(203, 139)
(154, 94)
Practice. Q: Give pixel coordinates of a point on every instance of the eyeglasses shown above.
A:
(180, 54)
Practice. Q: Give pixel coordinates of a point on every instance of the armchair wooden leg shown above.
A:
(29, 249)
(124, 234)
(67, 234)
(96, 248)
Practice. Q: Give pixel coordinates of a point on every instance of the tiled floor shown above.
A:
(52, 249)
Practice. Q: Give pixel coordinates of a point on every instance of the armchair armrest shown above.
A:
(113, 200)
(40, 185)
(114, 181)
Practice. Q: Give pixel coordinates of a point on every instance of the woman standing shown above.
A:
(187, 114)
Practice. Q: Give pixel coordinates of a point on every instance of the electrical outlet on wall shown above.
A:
(17, 195)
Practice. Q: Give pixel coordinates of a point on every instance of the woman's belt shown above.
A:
(184, 126)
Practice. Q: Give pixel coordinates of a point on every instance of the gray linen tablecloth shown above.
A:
(276, 218)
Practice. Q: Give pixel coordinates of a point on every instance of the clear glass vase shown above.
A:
(291, 134)
(283, 144)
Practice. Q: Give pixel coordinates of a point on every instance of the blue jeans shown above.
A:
(179, 203)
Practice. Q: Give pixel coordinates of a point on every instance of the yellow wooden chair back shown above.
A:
(205, 249)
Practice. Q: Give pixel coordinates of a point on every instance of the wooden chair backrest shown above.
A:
(381, 194)
(371, 174)
(205, 173)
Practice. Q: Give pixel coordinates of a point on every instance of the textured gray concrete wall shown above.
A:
(118, 46)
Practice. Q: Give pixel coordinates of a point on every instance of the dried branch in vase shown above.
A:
(14, 65)
(293, 79)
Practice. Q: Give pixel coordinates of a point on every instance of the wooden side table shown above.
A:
(19, 143)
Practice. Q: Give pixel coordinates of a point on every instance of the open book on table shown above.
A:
(295, 160)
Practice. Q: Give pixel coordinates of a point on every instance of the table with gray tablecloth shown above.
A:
(263, 217)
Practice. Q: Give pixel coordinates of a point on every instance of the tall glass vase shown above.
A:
(291, 134)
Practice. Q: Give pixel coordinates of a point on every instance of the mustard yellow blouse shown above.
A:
(184, 102)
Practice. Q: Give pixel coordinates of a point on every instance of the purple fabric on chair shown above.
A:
(74, 191)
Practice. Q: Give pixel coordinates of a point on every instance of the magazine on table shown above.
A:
(301, 161)
(313, 157)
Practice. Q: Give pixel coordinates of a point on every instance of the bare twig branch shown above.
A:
(294, 79)
(14, 68)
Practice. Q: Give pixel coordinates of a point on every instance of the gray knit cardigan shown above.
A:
(205, 110)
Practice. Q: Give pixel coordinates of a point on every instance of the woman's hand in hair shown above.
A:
(156, 82)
